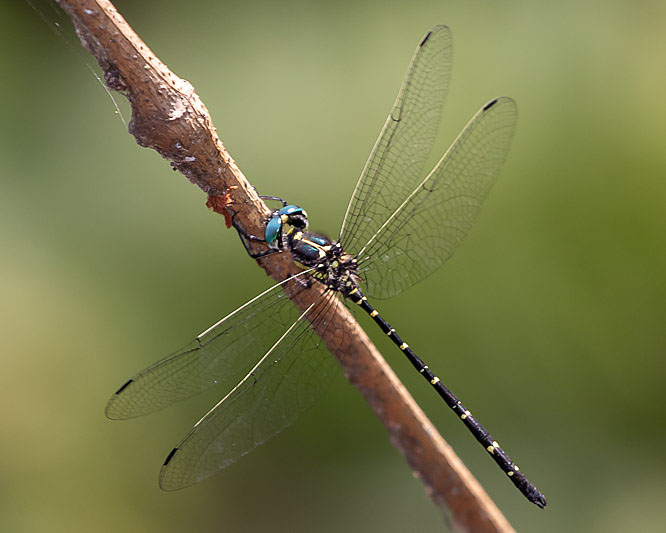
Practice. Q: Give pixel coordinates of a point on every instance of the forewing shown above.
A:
(287, 380)
(395, 165)
(221, 355)
(428, 227)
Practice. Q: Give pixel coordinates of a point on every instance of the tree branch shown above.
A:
(169, 117)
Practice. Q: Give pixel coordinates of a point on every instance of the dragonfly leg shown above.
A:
(246, 238)
(276, 198)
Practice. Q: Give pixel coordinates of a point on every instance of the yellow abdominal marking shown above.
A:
(374, 313)
(434, 381)
(403, 346)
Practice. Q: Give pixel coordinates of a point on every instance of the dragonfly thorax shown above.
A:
(333, 266)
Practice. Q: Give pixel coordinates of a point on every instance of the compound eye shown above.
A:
(273, 229)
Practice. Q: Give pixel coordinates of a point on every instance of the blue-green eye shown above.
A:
(273, 228)
(291, 210)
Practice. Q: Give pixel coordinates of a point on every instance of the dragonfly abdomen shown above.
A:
(480, 433)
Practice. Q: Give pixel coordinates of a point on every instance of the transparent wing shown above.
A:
(432, 221)
(287, 380)
(395, 165)
(221, 355)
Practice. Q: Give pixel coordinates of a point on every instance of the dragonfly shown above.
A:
(399, 227)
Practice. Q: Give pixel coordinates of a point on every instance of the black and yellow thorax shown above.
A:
(331, 264)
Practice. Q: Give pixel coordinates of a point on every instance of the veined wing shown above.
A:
(395, 165)
(221, 355)
(286, 380)
(432, 221)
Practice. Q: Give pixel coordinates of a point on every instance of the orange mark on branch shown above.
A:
(220, 203)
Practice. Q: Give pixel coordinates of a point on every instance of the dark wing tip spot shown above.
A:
(490, 104)
(170, 456)
(425, 38)
(124, 386)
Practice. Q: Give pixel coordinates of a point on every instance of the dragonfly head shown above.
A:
(291, 215)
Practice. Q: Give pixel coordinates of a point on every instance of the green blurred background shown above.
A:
(549, 321)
